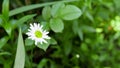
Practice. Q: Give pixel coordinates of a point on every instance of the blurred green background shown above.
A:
(90, 41)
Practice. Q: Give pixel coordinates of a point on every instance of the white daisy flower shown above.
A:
(37, 34)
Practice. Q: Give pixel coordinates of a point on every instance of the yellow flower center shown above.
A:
(38, 34)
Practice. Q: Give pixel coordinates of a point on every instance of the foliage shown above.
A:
(84, 34)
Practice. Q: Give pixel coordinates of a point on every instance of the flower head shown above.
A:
(37, 34)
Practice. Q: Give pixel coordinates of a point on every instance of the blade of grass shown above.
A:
(30, 7)
(5, 9)
(3, 41)
(24, 19)
(20, 54)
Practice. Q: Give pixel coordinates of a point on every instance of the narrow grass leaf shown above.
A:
(24, 19)
(20, 54)
(3, 41)
(4, 53)
(80, 34)
(1, 21)
(30, 7)
(8, 28)
(5, 9)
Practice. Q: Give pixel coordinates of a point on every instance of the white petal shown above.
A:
(45, 32)
(44, 41)
(36, 42)
(41, 26)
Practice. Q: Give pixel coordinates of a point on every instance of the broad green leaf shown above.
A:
(30, 7)
(56, 25)
(44, 46)
(70, 12)
(28, 42)
(5, 9)
(24, 19)
(46, 12)
(20, 53)
(46, 25)
(3, 41)
(53, 41)
(56, 9)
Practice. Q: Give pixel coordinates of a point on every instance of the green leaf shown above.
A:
(5, 9)
(46, 25)
(3, 41)
(53, 41)
(8, 28)
(1, 20)
(80, 34)
(20, 53)
(117, 5)
(75, 26)
(29, 42)
(67, 48)
(46, 12)
(89, 16)
(70, 12)
(30, 7)
(13, 23)
(8, 63)
(56, 25)
(5, 53)
(42, 63)
(86, 28)
(24, 19)
(43, 46)
(56, 9)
